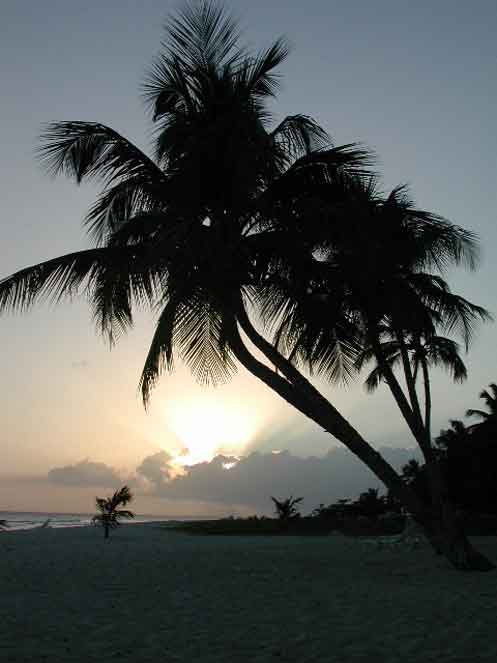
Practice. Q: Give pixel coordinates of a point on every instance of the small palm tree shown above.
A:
(287, 509)
(490, 402)
(109, 513)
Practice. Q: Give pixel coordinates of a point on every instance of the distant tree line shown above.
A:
(467, 455)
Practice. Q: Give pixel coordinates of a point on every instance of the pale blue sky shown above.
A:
(415, 81)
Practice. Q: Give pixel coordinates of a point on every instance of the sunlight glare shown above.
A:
(208, 427)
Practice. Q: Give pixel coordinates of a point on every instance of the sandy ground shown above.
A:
(153, 595)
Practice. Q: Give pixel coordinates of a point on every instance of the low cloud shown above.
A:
(247, 482)
(156, 469)
(85, 473)
(253, 479)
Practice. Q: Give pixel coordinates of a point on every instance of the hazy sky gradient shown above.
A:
(414, 81)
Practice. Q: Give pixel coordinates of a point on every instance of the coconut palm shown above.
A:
(109, 512)
(423, 354)
(490, 398)
(378, 264)
(287, 509)
(233, 215)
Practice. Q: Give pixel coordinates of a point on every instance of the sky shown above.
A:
(416, 82)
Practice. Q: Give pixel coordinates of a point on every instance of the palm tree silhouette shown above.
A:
(109, 514)
(234, 217)
(490, 398)
(378, 278)
(287, 509)
(422, 354)
(454, 435)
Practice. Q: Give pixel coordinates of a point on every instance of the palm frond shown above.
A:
(204, 34)
(191, 322)
(121, 496)
(85, 150)
(299, 135)
(58, 278)
(453, 312)
(258, 75)
(124, 513)
(117, 205)
(377, 375)
(444, 352)
(160, 355)
(477, 413)
(202, 342)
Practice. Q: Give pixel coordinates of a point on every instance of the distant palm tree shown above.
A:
(287, 509)
(109, 514)
(411, 470)
(490, 399)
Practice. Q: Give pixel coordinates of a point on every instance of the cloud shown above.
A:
(253, 479)
(156, 468)
(85, 473)
(241, 483)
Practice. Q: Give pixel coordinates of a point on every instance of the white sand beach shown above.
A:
(149, 594)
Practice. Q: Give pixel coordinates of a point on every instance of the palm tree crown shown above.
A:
(109, 512)
(178, 232)
(490, 399)
(287, 509)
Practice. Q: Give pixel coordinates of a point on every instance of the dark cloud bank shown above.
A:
(251, 481)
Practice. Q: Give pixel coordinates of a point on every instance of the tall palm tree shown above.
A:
(381, 263)
(423, 354)
(233, 215)
(109, 514)
(490, 399)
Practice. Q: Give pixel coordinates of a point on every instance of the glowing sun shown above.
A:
(207, 427)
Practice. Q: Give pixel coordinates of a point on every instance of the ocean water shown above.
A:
(25, 520)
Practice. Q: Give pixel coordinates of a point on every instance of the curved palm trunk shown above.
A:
(308, 400)
(427, 388)
(410, 382)
(440, 524)
(415, 423)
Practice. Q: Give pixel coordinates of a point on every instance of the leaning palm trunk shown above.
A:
(438, 519)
